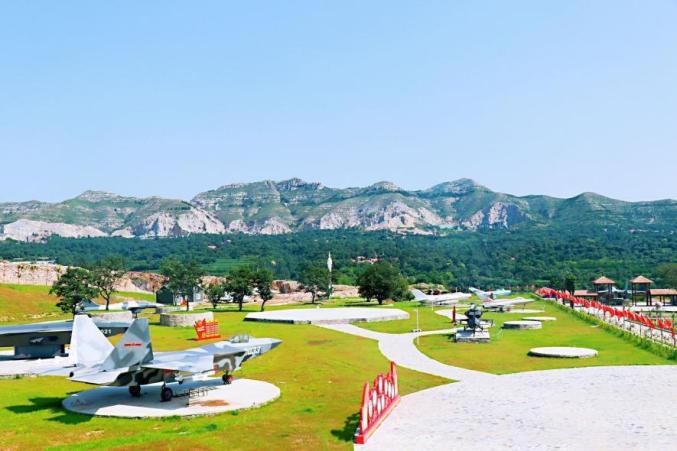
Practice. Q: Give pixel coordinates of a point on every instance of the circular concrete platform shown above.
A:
(539, 318)
(328, 315)
(210, 397)
(563, 352)
(522, 325)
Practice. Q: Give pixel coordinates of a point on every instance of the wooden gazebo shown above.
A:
(640, 287)
(604, 287)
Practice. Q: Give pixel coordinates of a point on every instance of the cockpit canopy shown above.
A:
(242, 338)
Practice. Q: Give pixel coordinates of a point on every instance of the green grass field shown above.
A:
(507, 352)
(320, 373)
(24, 303)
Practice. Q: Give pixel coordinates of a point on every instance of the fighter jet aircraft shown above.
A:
(438, 299)
(495, 293)
(490, 302)
(132, 363)
(134, 306)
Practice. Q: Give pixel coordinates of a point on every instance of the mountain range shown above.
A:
(269, 207)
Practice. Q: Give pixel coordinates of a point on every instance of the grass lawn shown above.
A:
(507, 352)
(320, 373)
(31, 303)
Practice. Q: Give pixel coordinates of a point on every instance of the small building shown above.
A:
(591, 295)
(640, 287)
(605, 289)
(662, 294)
(166, 296)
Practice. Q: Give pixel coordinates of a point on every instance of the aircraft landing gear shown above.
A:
(166, 393)
(227, 378)
(135, 390)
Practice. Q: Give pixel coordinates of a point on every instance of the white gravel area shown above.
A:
(596, 408)
(339, 315)
(539, 318)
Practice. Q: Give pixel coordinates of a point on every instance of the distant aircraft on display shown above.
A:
(134, 306)
(439, 299)
(49, 339)
(490, 302)
(495, 293)
(132, 363)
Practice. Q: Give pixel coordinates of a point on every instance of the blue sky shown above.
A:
(173, 98)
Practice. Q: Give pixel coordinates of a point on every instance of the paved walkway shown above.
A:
(400, 349)
(600, 408)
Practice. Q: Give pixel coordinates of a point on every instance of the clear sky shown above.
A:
(173, 98)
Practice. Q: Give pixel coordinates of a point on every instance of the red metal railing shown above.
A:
(377, 403)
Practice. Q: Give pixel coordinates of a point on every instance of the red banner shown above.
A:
(207, 330)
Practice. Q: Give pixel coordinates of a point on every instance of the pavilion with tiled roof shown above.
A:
(604, 288)
(640, 287)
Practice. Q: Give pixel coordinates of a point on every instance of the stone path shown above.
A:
(400, 349)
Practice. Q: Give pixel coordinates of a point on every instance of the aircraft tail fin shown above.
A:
(88, 345)
(418, 295)
(133, 348)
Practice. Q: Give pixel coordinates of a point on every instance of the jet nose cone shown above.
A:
(274, 343)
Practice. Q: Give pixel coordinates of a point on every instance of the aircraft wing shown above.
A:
(99, 377)
(183, 363)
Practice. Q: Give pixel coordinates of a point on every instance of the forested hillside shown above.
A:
(486, 258)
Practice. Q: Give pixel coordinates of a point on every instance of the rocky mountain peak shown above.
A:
(97, 196)
(460, 186)
(383, 186)
(296, 183)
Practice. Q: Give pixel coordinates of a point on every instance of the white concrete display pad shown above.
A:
(563, 352)
(522, 325)
(539, 318)
(526, 311)
(328, 315)
(448, 313)
(217, 398)
(9, 367)
(596, 408)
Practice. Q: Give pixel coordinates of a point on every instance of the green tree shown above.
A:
(182, 277)
(379, 281)
(570, 283)
(105, 274)
(239, 284)
(263, 281)
(668, 274)
(402, 291)
(73, 287)
(315, 280)
(215, 292)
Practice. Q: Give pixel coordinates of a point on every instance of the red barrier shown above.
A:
(206, 330)
(377, 403)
